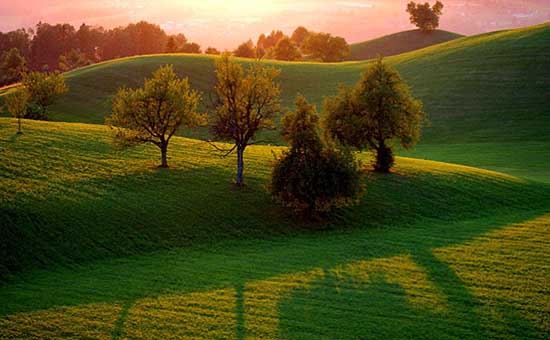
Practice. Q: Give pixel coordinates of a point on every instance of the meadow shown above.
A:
(99, 243)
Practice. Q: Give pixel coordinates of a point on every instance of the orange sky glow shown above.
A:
(224, 24)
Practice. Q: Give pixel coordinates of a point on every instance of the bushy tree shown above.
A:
(12, 67)
(16, 104)
(192, 48)
(325, 47)
(379, 110)
(299, 36)
(44, 89)
(313, 177)
(424, 17)
(286, 50)
(156, 111)
(171, 46)
(246, 101)
(73, 59)
(212, 51)
(245, 50)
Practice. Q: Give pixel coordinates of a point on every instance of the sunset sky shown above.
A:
(224, 24)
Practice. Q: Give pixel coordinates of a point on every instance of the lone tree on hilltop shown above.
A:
(379, 110)
(16, 104)
(156, 111)
(313, 177)
(424, 17)
(246, 101)
(44, 89)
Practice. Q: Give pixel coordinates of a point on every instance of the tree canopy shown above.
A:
(377, 111)
(44, 89)
(246, 102)
(245, 50)
(312, 176)
(156, 111)
(424, 17)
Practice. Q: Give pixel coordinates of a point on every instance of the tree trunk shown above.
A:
(240, 165)
(384, 158)
(163, 151)
(19, 126)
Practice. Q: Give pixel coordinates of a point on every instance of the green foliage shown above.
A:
(16, 103)
(286, 50)
(313, 177)
(424, 17)
(155, 112)
(12, 66)
(378, 110)
(44, 89)
(325, 47)
(245, 50)
(73, 59)
(211, 51)
(246, 103)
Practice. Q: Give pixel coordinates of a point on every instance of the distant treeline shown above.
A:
(301, 45)
(50, 47)
(62, 47)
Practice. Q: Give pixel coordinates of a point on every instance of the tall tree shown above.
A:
(312, 176)
(155, 112)
(12, 67)
(379, 110)
(246, 102)
(16, 104)
(44, 89)
(424, 17)
(50, 42)
(299, 36)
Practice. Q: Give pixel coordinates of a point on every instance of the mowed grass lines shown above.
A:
(490, 286)
(98, 242)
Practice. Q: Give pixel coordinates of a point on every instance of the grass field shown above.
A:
(486, 92)
(98, 243)
(131, 251)
(399, 43)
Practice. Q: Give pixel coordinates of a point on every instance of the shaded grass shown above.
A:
(399, 43)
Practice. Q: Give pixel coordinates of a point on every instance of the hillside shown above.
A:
(486, 96)
(149, 253)
(399, 43)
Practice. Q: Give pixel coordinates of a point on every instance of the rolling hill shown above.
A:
(99, 243)
(399, 43)
(487, 96)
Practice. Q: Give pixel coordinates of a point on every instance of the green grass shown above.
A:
(99, 243)
(399, 43)
(487, 92)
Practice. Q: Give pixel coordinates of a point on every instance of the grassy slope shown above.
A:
(399, 43)
(487, 96)
(432, 251)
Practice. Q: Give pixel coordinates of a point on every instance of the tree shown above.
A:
(325, 47)
(299, 36)
(156, 111)
(16, 104)
(313, 177)
(424, 17)
(73, 59)
(245, 104)
(246, 50)
(171, 46)
(286, 50)
(44, 89)
(192, 48)
(12, 67)
(377, 111)
(212, 51)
